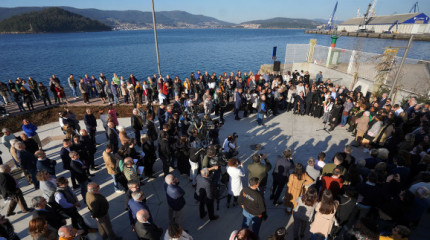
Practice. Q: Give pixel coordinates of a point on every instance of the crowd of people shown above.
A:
(334, 197)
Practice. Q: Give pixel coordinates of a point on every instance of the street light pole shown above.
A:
(156, 39)
(401, 65)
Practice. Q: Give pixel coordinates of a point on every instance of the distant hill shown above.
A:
(133, 19)
(280, 22)
(51, 20)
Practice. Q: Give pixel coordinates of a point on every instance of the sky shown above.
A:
(237, 11)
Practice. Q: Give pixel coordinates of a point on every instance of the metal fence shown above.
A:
(345, 60)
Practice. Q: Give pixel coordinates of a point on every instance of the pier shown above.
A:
(399, 36)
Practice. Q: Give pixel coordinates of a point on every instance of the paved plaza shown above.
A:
(300, 133)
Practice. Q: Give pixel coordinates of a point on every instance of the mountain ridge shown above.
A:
(135, 19)
(51, 20)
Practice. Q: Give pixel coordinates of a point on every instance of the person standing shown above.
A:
(145, 229)
(296, 186)
(72, 84)
(7, 136)
(137, 125)
(111, 166)
(164, 152)
(65, 158)
(84, 90)
(42, 210)
(67, 200)
(30, 130)
(10, 190)
(304, 212)
(261, 109)
(175, 198)
(259, 170)
(113, 136)
(44, 163)
(7, 229)
(149, 149)
(237, 103)
(324, 216)
(280, 174)
(204, 194)
(235, 172)
(99, 209)
(79, 170)
(254, 208)
(135, 204)
(27, 161)
(90, 124)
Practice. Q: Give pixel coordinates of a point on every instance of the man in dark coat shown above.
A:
(146, 230)
(90, 124)
(308, 101)
(175, 198)
(89, 148)
(113, 137)
(237, 103)
(27, 161)
(53, 218)
(79, 169)
(9, 190)
(204, 194)
(64, 154)
(137, 125)
(164, 152)
(30, 144)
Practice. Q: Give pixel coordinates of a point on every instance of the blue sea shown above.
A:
(181, 51)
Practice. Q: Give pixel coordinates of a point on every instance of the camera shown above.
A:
(234, 135)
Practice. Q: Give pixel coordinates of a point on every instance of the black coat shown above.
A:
(148, 231)
(31, 145)
(164, 149)
(152, 131)
(64, 154)
(26, 159)
(53, 218)
(136, 124)
(79, 171)
(7, 186)
(113, 137)
(90, 122)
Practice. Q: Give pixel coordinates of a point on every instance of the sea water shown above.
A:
(181, 51)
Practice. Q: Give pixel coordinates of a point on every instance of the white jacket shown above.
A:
(235, 181)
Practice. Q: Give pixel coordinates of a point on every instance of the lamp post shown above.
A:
(155, 36)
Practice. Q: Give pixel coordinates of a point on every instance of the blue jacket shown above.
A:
(29, 129)
(134, 207)
(238, 101)
(175, 196)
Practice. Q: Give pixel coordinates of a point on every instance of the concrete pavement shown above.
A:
(286, 130)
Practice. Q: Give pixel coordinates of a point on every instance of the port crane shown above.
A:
(396, 23)
(372, 9)
(330, 20)
(366, 17)
(415, 8)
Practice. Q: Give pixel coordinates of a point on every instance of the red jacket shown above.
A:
(334, 184)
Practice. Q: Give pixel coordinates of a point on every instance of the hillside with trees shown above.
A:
(51, 20)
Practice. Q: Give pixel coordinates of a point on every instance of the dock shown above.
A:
(399, 36)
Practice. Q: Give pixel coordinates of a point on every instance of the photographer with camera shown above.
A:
(213, 161)
(260, 170)
(230, 146)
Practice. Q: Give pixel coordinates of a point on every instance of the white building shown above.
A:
(411, 23)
